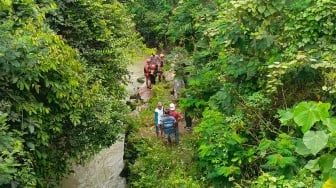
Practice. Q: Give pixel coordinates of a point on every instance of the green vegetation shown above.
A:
(149, 161)
(262, 85)
(63, 70)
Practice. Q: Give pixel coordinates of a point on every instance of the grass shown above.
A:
(156, 165)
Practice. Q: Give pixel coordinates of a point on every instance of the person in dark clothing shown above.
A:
(153, 69)
(188, 120)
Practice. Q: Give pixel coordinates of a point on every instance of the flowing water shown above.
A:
(136, 71)
(101, 172)
(104, 169)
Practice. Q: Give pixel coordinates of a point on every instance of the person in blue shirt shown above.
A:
(168, 122)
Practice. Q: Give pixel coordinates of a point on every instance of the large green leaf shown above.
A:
(285, 116)
(315, 141)
(326, 164)
(330, 123)
(308, 113)
(302, 149)
(323, 110)
(262, 8)
(313, 165)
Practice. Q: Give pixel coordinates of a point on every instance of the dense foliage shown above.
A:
(61, 90)
(152, 164)
(251, 62)
(152, 19)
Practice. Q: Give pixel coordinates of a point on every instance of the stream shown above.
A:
(104, 169)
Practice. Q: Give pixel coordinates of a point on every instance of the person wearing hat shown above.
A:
(168, 122)
(158, 115)
(177, 116)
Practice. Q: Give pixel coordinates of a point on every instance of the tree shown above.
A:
(56, 107)
(152, 20)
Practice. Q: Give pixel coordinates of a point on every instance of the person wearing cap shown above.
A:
(177, 116)
(168, 122)
(158, 115)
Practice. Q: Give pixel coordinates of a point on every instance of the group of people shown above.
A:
(166, 123)
(166, 120)
(153, 68)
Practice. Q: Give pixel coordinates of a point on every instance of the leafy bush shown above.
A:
(62, 107)
(13, 170)
(317, 143)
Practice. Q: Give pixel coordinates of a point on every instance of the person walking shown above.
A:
(158, 115)
(188, 120)
(168, 122)
(177, 116)
(177, 86)
(187, 117)
(153, 69)
(146, 73)
(160, 67)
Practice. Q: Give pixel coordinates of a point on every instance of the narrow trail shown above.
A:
(145, 95)
(152, 164)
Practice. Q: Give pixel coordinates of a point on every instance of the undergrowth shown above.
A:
(149, 162)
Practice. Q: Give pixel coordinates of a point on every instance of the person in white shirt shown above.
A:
(158, 115)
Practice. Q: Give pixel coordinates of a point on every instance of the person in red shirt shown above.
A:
(177, 116)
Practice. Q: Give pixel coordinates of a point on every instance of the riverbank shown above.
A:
(107, 167)
(103, 170)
